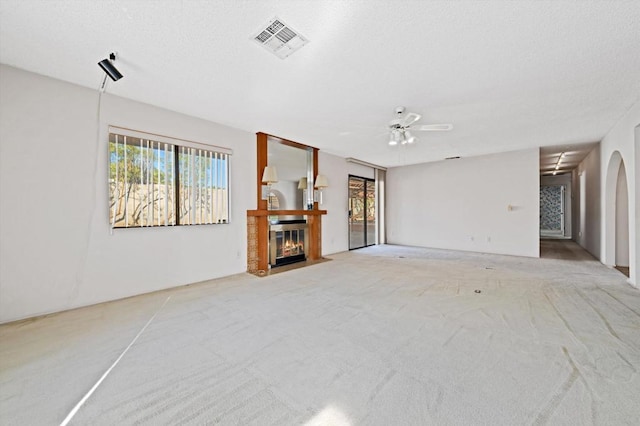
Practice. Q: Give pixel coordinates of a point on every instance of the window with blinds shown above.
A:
(160, 181)
(203, 186)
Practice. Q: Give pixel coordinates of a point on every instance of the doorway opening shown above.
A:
(362, 212)
(552, 211)
(616, 241)
(622, 222)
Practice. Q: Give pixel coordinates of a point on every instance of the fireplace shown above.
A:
(288, 243)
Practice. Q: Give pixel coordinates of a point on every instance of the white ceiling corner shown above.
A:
(507, 75)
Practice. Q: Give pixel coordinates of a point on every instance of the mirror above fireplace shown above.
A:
(294, 163)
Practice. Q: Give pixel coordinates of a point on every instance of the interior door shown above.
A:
(362, 212)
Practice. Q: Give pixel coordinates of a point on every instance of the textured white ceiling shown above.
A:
(508, 75)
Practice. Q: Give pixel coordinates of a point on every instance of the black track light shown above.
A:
(108, 67)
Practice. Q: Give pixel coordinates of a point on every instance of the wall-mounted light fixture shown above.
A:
(321, 183)
(302, 183)
(269, 177)
(108, 67)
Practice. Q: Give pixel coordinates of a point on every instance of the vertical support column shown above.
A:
(262, 163)
(381, 177)
(315, 174)
(319, 237)
(315, 237)
(262, 223)
(263, 243)
(257, 243)
(252, 244)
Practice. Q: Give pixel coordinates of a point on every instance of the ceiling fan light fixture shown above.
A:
(395, 138)
(399, 127)
(409, 137)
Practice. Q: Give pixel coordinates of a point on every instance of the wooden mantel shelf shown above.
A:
(285, 212)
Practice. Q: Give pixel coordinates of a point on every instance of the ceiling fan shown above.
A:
(400, 128)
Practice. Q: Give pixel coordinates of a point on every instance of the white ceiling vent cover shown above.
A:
(279, 38)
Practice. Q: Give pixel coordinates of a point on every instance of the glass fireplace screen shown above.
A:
(287, 243)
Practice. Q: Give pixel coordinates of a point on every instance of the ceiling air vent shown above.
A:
(279, 38)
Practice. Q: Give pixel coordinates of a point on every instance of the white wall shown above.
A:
(335, 227)
(587, 202)
(620, 140)
(360, 170)
(335, 224)
(636, 220)
(56, 249)
(565, 180)
(463, 204)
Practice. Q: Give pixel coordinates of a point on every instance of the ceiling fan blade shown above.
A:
(433, 127)
(410, 118)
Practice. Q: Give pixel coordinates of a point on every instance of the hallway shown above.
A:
(562, 249)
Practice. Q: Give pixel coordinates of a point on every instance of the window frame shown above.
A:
(177, 145)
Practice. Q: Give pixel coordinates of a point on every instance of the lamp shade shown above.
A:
(302, 184)
(321, 181)
(270, 175)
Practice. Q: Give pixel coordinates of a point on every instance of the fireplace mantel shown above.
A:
(285, 212)
(258, 236)
(258, 219)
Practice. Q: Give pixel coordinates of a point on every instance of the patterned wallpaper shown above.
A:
(551, 208)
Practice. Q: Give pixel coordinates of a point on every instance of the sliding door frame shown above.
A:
(365, 180)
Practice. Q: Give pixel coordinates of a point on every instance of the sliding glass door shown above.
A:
(362, 212)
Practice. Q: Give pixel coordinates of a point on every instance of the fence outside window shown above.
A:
(159, 181)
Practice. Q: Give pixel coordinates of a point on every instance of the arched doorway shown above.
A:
(616, 249)
(622, 222)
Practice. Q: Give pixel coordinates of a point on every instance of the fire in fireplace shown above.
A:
(287, 243)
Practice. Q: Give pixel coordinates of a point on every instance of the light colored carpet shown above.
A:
(386, 335)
